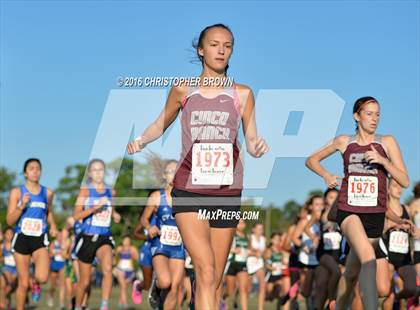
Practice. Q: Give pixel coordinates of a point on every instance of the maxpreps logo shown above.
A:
(220, 214)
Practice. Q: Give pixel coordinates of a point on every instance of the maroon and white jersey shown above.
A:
(364, 186)
(210, 159)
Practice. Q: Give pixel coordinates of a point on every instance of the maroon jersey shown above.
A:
(210, 159)
(364, 186)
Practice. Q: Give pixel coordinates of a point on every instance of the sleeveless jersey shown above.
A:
(364, 186)
(169, 234)
(33, 220)
(210, 158)
(98, 223)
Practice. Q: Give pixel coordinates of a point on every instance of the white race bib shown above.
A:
(59, 258)
(9, 260)
(32, 227)
(212, 164)
(362, 191)
(102, 218)
(276, 268)
(331, 240)
(125, 264)
(398, 242)
(169, 235)
(242, 256)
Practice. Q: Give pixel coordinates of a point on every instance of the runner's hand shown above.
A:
(373, 156)
(154, 231)
(261, 147)
(25, 199)
(135, 146)
(332, 180)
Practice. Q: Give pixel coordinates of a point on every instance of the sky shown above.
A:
(60, 62)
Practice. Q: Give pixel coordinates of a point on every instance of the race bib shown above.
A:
(59, 258)
(362, 191)
(276, 268)
(32, 227)
(398, 242)
(212, 164)
(331, 240)
(242, 256)
(102, 218)
(9, 260)
(169, 235)
(125, 264)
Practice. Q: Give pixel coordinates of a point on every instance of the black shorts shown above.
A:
(302, 265)
(235, 268)
(88, 245)
(416, 257)
(224, 213)
(373, 223)
(396, 259)
(26, 245)
(272, 279)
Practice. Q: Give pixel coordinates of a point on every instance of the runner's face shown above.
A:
(331, 197)
(97, 172)
(33, 172)
(395, 190)
(275, 240)
(258, 230)
(217, 49)
(241, 225)
(368, 117)
(169, 173)
(317, 204)
(126, 242)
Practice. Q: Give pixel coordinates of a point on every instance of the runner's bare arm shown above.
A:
(116, 216)
(255, 145)
(395, 166)
(134, 253)
(50, 214)
(15, 208)
(151, 207)
(298, 231)
(313, 162)
(79, 212)
(137, 232)
(164, 120)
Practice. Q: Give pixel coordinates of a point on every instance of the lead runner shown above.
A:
(210, 120)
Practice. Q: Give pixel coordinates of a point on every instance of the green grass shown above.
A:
(95, 300)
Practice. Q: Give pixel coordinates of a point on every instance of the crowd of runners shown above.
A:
(356, 246)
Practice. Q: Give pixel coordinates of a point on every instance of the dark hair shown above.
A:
(95, 160)
(328, 190)
(276, 233)
(256, 224)
(30, 160)
(416, 190)
(358, 105)
(198, 43)
(8, 228)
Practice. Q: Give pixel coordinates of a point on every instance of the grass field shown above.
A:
(95, 300)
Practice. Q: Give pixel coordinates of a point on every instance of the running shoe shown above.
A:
(36, 292)
(136, 292)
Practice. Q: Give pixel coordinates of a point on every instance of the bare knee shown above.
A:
(206, 275)
(384, 288)
(42, 278)
(23, 285)
(164, 282)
